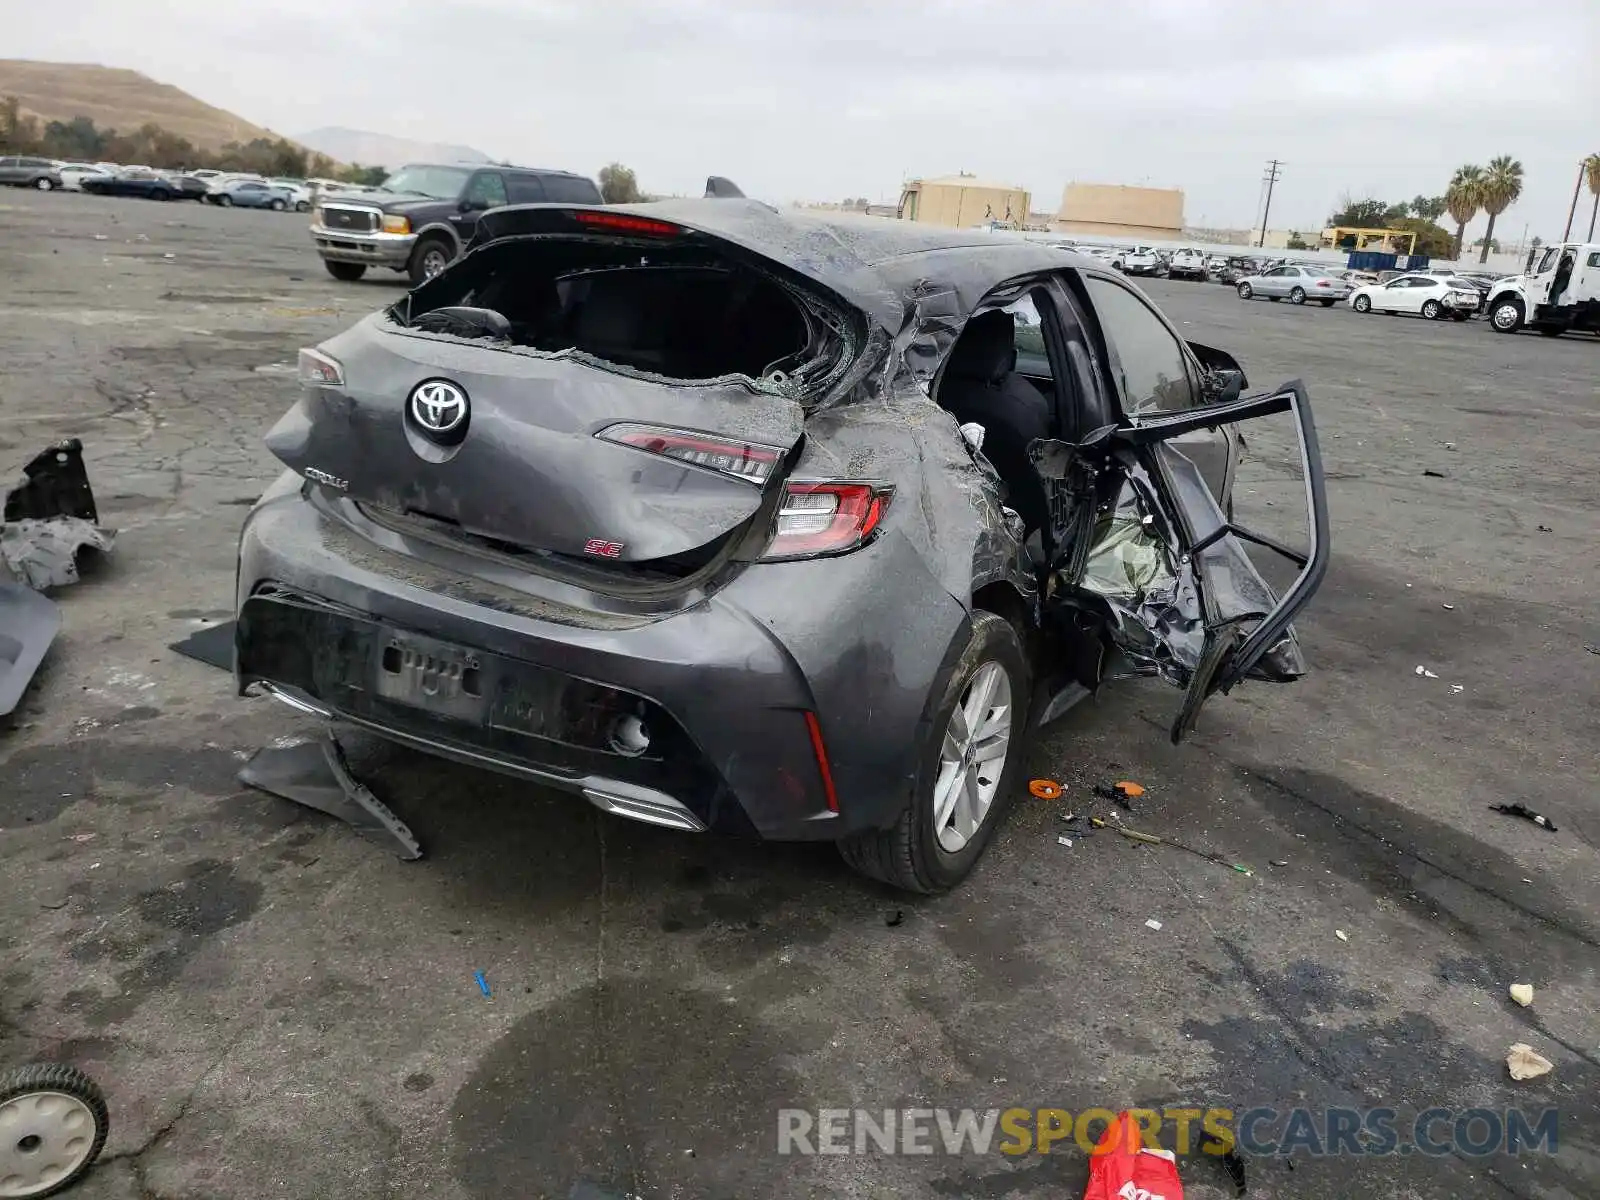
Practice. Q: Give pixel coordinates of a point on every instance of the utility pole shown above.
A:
(1270, 178)
(1573, 211)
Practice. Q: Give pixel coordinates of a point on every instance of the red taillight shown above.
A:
(823, 768)
(626, 223)
(1323, 283)
(826, 518)
(749, 461)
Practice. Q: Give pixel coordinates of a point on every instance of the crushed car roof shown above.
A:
(872, 263)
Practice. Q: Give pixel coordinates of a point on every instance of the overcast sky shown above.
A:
(822, 99)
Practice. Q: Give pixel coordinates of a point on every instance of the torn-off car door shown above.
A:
(1145, 547)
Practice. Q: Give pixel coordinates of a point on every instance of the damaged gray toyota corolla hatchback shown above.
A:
(738, 520)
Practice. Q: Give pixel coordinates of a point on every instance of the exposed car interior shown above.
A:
(686, 316)
(981, 384)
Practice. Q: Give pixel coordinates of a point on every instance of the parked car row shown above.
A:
(149, 183)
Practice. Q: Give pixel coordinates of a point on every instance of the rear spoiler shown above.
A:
(718, 188)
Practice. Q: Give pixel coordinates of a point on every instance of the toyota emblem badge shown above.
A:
(439, 408)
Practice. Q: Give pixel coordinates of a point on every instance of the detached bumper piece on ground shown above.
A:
(49, 519)
(317, 775)
(670, 506)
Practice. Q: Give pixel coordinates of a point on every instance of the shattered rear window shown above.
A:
(679, 313)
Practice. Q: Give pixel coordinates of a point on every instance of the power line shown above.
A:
(1274, 173)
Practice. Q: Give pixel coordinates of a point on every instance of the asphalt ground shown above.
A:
(278, 1008)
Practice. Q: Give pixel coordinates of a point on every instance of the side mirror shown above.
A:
(468, 204)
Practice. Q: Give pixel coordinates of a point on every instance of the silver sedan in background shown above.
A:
(1296, 282)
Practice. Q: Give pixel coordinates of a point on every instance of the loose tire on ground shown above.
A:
(908, 854)
(345, 272)
(55, 1124)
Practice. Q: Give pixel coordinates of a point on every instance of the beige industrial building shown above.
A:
(963, 201)
(1113, 210)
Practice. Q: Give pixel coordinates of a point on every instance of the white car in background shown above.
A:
(1431, 296)
(1141, 260)
(1187, 264)
(297, 190)
(74, 173)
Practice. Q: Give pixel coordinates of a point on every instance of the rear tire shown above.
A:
(1297, 296)
(277, 206)
(1431, 309)
(302, 206)
(43, 184)
(908, 855)
(345, 272)
(1245, 292)
(225, 200)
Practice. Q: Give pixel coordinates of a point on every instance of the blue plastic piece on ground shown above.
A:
(483, 984)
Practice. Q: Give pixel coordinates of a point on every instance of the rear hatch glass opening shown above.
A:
(678, 312)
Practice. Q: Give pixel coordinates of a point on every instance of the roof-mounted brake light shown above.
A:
(626, 223)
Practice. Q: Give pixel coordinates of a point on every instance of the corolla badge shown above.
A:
(438, 407)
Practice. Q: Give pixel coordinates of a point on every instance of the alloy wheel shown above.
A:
(433, 262)
(972, 757)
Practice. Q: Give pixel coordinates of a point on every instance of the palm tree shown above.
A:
(1502, 184)
(1591, 168)
(1461, 199)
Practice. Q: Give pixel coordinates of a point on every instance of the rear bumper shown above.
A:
(372, 249)
(724, 686)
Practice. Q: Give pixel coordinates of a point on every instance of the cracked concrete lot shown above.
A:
(277, 1008)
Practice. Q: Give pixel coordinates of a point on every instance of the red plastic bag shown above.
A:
(1124, 1168)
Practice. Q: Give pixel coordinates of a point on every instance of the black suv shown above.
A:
(424, 214)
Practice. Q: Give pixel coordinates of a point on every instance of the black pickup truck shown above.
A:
(425, 214)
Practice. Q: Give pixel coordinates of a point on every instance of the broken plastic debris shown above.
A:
(483, 984)
(1526, 813)
(1522, 993)
(1432, 474)
(1425, 673)
(1457, 687)
(1045, 789)
(1451, 607)
(1152, 923)
(1525, 1064)
(1546, 529)
(1062, 840)
(1341, 935)
(317, 775)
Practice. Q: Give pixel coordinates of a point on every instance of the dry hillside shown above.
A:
(119, 99)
